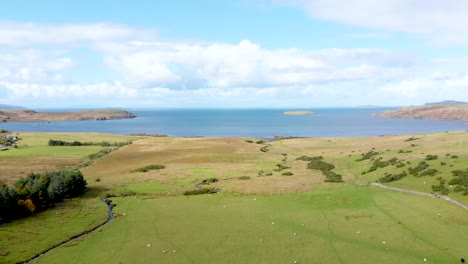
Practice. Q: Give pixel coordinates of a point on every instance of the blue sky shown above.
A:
(244, 53)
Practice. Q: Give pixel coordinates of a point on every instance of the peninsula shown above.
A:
(33, 116)
(289, 113)
(436, 112)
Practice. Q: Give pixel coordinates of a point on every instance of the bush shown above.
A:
(431, 157)
(429, 172)
(150, 167)
(99, 154)
(455, 181)
(440, 188)
(287, 173)
(281, 167)
(244, 178)
(411, 139)
(368, 155)
(400, 165)
(264, 149)
(421, 166)
(201, 191)
(208, 181)
(332, 176)
(249, 141)
(454, 157)
(317, 163)
(391, 177)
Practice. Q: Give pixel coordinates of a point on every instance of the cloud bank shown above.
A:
(39, 62)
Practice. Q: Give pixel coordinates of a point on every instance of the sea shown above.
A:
(252, 123)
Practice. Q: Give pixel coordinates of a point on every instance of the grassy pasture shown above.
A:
(343, 222)
(348, 225)
(34, 155)
(22, 239)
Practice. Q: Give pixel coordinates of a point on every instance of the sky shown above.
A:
(232, 53)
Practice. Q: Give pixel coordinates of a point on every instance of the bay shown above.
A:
(258, 123)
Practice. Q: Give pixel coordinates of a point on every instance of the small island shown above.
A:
(295, 113)
(431, 111)
(33, 116)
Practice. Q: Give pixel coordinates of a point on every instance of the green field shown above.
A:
(264, 219)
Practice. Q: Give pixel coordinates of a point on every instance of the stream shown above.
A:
(109, 219)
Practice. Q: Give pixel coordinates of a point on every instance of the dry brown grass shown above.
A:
(13, 169)
(190, 160)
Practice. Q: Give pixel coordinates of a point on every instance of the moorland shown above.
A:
(244, 200)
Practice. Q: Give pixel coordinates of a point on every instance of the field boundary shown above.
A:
(458, 203)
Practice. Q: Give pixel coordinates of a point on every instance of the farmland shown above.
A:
(259, 214)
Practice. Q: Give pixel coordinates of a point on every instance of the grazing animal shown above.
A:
(462, 260)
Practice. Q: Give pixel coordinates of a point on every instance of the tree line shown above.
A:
(55, 142)
(37, 192)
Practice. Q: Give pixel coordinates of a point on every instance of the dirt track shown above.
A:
(422, 193)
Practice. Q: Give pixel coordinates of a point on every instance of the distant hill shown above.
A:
(31, 115)
(11, 107)
(448, 102)
(438, 112)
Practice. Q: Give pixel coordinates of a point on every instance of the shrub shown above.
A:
(287, 173)
(281, 167)
(317, 163)
(368, 155)
(400, 165)
(150, 167)
(244, 178)
(307, 158)
(421, 166)
(458, 188)
(269, 174)
(201, 191)
(454, 157)
(99, 154)
(455, 181)
(429, 172)
(264, 149)
(411, 139)
(440, 188)
(431, 157)
(208, 181)
(249, 141)
(332, 176)
(391, 177)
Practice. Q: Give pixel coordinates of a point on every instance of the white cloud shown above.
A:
(68, 91)
(157, 73)
(443, 22)
(26, 34)
(179, 65)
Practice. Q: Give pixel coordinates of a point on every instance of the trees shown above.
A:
(38, 192)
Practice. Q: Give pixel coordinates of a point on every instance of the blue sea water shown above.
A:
(260, 123)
